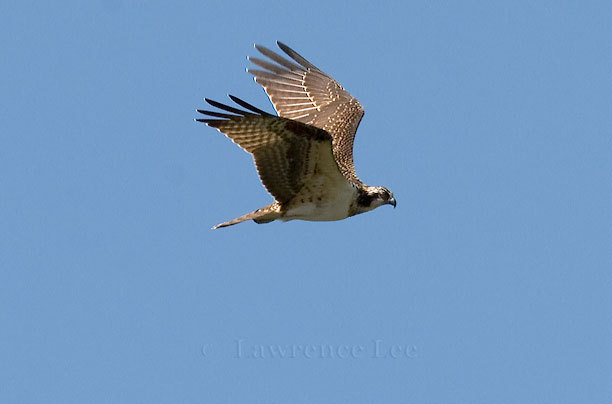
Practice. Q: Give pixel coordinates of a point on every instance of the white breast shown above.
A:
(327, 195)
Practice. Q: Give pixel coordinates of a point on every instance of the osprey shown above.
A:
(304, 156)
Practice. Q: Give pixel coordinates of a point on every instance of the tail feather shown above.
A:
(263, 215)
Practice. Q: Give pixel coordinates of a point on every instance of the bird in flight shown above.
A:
(304, 156)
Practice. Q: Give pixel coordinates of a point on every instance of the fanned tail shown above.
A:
(262, 215)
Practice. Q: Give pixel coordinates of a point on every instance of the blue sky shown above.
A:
(490, 121)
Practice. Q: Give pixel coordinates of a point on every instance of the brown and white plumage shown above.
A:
(304, 93)
(304, 156)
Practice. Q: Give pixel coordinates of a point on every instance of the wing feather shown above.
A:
(282, 148)
(323, 102)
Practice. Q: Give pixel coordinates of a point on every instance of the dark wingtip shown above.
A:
(248, 106)
(210, 122)
(284, 47)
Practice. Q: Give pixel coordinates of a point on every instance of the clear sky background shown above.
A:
(490, 283)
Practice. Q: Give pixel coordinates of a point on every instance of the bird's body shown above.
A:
(304, 156)
(314, 201)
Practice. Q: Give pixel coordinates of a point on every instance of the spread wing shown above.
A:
(304, 93)
(280, 147)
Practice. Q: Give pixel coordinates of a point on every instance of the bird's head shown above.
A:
(369, 198)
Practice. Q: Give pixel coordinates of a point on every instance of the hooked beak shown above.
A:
(392, 202)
